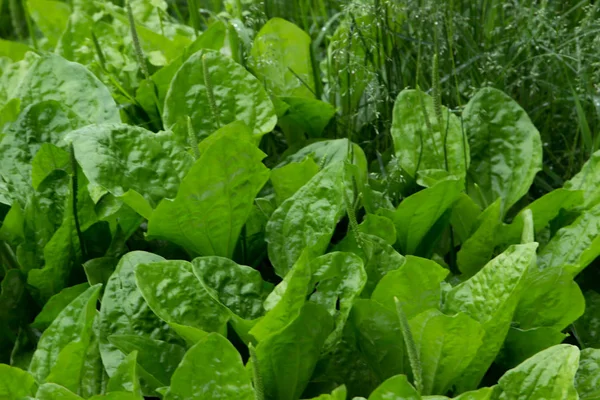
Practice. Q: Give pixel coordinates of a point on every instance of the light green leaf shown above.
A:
(56, 304)
(304, 118)
(214, 199)
(506, 149)
(288, 179)
(211, 370)
(490, 297)
(281, 57)
(444, 147)
(326, 152)
(14, 50)
(192, 304)
(337, 394)
(587, 327)
(319, 205)
(287, 360)
(125, 378)
(415, 216)
(464, 217)
(575, 246)
(395, 388)
(588, 180)
(52, 391)
(53, 78)
(446, 346)
(227, 92)
(50, 16)
(416, 284)
(15, 383)
(548, 375)
(587, 379)
(48, 159)
(73, 324)
(481, 394)
(521, 344)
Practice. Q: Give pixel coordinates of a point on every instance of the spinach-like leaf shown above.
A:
(50, 16)
(588, 181)
(396, 387)
(587, 378)
(15, 383)
(52, 391)
(213, 90)
(506, 149)
(125, 378)
(520, 344)
(588, 325)
(288, 179)
(422, 142)
(56, 304)
(214, 199)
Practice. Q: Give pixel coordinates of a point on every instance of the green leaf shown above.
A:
(304, 117)
(226, 93)
(56, 304)
(337, 394)
(416, 284)
(464, 217)
(52, 391)
(123, 311)
(214, 200)
(14, 50)
(575, 246)
(587, 379)
(325, 152)
(417, 214)
(16, 309)
(122, 159)
(548, 375)
(420, 148)
(506, 149)
(395, 388)
(126, 378)
(288, 179)
(587, 327)
(48, 159)
(51, 77)
(446, 346)
(284, 303)
(238, 287)
(490, 297)
(212, 369)
(15, 383)
(477, 250)
(99, 270)
(192, 304)
(50, 16)
(552, 299)
(281, 57)
(287, 360)
(588, 180)
(72, 325)
(521, 344)
(319, 205)
(379, 338)
(340, 278)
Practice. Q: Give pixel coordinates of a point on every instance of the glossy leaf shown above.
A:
(48, 159)
(490, 297)
(588, 181)
(226, 93)
(52, 391)
(50, 16)
(506, 149)
(15, 383)
(521, 344)
(396, 388)
(417, 147)
(319, 205)
(288, 179)
(588, 325)
(125, 378)
(56, 304)
(587, 379)
(212, 369)
(305, 117)
(214, 199)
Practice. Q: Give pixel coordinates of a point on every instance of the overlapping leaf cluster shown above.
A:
(168, 260)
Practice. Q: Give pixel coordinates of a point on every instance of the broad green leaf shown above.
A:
(588, 325)
(211, 370)
(337, 394)
(446, 346)
(588, 180)
(237, 130)
(50, 16)
(125, 378)
(52, 391)
(552, 299)
(481, 394)
(73, 324)
(304, 118)
(214, 199)
(339, 278)
(521, 344)
(477, 250)
(379, 338)
(124, 311)
(213, 91)
(15, 383)
(490, 297)
(281, 57)
(575, 246)
(68, 369)
(395, 388)
(56, 304)
(418, 147)
(415, 216)
(307, 219)
(14, 50)
(192, 304)
(416, 284)
(547, 375)
(464, 217)
(286, 361)
(51, 77)
(16, 309)
(587, 379)
(93, 377)
(284, 303)
(49, 158)
(99, 270)
(291, 177)
(238, 287)
(325, 152)
(123, 159)
(156, 360)
(506, 149)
